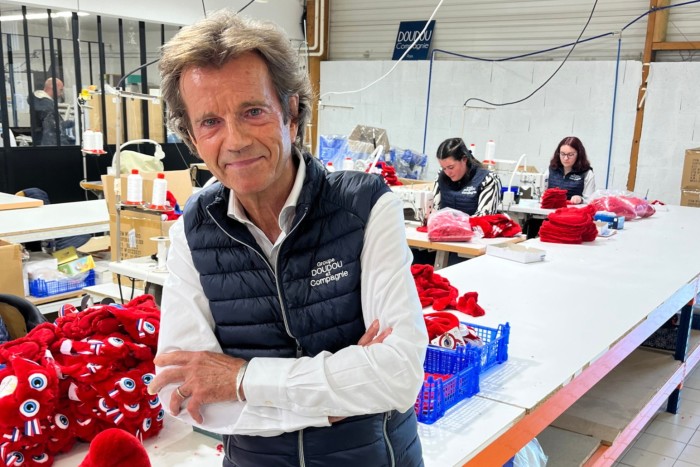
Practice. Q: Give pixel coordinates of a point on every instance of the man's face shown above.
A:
(238, 126)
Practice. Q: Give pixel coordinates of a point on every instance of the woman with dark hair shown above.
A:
(570, 170)
(463, 183)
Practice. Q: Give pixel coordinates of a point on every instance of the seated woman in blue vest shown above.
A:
(570, 170)
(463, 183)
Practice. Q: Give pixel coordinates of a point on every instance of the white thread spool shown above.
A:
(490, 153)
(162, 253)
(99, 141)
(89, 140)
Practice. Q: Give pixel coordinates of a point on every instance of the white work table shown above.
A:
(143, 268)
(8, 201)
(177, 445)
(54, 221)
(574, 317)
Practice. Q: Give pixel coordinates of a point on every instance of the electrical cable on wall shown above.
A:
(418, 37)
(246, 6)
(476, 99)
(579, 41)
(204, 9)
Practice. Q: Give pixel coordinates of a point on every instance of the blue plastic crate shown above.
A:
(495, 348)
(42, 288)
(437, 395)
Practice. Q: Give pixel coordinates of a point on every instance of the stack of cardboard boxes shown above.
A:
(690, 183)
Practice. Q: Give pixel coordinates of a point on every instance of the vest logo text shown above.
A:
(327, 271)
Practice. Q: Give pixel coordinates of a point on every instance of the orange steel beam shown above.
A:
(510, 442)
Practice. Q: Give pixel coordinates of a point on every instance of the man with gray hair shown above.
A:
(290, 320)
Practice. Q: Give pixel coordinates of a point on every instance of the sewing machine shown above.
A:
(416, 198)
(534, 182)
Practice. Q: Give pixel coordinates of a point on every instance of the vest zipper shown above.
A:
(390, 448)
(277, 284)
(302, 462)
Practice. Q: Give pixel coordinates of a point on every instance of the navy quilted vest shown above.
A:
(464, 194)
(311, 305)
(572, 182)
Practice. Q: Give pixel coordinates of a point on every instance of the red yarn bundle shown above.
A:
(495, 225)
(435, 290)
(569, 225)
(553, 198)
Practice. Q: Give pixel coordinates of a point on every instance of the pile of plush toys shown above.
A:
(78, 377)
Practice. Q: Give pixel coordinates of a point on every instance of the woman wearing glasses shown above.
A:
(570, 170)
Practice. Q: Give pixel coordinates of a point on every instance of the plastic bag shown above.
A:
(142, 162)
(531, 455)
(622, 203)
(449, 225)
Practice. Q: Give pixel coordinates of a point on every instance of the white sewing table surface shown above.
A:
(143, 268)
(8, 201)
(568, 311)
(54, 221)
(177, 445)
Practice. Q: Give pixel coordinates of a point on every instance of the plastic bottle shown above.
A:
(134, 188)
(329, 167)
(348, 164)
(472, 149)
(160, 189)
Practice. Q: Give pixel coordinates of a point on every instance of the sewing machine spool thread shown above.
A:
(162, 253)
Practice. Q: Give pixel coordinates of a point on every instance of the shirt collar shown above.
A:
(286, 216)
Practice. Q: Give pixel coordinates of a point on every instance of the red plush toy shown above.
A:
(78, 378)
(116, 448)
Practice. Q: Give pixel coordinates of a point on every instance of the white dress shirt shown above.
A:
(288, 394)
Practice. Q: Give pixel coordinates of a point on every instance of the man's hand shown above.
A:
(576, 199)
(370, 337)
(203, 378)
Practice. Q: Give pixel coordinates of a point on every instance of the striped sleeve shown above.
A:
(490, 196)
(436, 194)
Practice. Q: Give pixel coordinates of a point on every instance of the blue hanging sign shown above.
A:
(408, 32)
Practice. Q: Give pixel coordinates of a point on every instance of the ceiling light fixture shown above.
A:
(60, 14)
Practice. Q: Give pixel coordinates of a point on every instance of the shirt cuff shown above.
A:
(265, 381)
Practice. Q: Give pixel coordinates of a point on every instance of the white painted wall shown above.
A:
(578, 101)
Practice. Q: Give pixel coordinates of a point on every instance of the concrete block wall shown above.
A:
(577, 101)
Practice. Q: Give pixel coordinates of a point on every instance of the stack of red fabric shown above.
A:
(435, 290)
(569, 225)
(553, 198)
(495, 225)
(388, 174)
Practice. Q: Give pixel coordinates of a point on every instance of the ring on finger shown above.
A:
(179, 393)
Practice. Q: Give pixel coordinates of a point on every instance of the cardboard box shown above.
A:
(691, 170)
(179, 184)
(136, 230)
(11, 271)
(690, 198)
(516, 252)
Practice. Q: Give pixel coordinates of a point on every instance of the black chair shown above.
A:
(11, 306)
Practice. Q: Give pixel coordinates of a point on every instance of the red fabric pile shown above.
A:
(435, 290)
(74, 379)
(553, 198)
(449, 225)
(569, 225)
(495, 225)
(388, 173)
